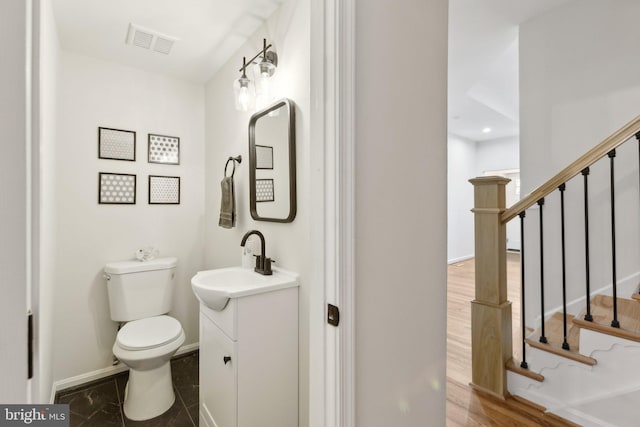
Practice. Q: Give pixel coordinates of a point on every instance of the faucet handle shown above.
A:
(263, 265)
(267, 266)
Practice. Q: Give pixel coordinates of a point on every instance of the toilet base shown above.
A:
(148, 393)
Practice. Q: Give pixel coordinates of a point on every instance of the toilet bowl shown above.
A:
(140, 294)
(146, 347)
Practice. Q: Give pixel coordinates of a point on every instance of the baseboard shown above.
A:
(187, 348)
(103, 373)
(86, 378)
(52, 398)
(460, 259)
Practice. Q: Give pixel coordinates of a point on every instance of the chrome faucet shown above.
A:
(263, 264)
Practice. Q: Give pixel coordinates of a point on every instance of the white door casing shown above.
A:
(332, 144)
(15, 105)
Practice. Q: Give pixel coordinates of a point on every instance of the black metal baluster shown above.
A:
(523, 364)
(565, 344)
(543, 338)
(585, 172)
(614, 322)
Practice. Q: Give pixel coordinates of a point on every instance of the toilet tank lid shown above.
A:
(135, 266)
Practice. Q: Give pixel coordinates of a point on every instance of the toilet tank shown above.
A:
(139, 289)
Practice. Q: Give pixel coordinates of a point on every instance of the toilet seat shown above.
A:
(148, 333)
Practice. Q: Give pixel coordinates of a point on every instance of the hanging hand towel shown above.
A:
(227, 204)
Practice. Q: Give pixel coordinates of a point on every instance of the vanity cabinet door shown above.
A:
(218, 376)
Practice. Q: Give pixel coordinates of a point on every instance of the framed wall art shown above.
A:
(116, 188)
(264, 190)
(164, 149)
(264, 157)
(164, 190)
(116, 144)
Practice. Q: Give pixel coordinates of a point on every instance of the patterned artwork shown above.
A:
(164, 149)
(264, 190)
(116, 144)
(164, 190)
(264, 157)
(116, 188)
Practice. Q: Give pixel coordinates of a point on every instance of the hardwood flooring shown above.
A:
(465, 406)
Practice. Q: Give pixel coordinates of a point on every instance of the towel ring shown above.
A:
(233, 160)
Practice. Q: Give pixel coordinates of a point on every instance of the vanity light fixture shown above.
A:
(269, 60)
(243, 87)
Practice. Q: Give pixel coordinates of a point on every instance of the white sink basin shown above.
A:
(214, 288)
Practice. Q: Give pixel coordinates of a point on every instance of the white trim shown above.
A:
(187, 349)
(32, 383)
(500, 172)
(333, 92)
(104, 372)
(320, 413)
(460, 259)
(346, 207)
(86, 378)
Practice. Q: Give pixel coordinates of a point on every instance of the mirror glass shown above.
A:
(272, 163)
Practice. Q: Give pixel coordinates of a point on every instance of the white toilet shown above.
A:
(140, 293)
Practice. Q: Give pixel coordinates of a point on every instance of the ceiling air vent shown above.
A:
(149, 39)
(163, 45)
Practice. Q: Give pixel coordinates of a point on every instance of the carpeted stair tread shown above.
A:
(554, 332)
(602, 312)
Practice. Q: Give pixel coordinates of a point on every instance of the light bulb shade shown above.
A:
(267, 69)
(244, 94)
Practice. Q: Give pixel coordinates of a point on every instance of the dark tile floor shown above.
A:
(99, 403)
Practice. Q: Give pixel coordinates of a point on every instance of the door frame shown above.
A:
(15, 248)
(332, 349)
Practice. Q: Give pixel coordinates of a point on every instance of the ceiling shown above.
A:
(483, 64)
(208, 31)
(483, 46)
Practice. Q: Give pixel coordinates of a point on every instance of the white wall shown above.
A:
(227, 135)
(468, 159)
(93, 93)
(49, 49)
(498, 154)
(462, 165)
(14, 15)
(401, 212)
(580, 82)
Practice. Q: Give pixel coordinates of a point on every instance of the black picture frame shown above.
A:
(265, 190)
(111, 191)
(264, 157)
(116, 150)
(163, 149)
(158, 199)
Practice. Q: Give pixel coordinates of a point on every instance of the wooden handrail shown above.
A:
(588, 159)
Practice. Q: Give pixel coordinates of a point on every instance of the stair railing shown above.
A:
(491, 339)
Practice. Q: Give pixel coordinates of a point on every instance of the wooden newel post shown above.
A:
(491, 346)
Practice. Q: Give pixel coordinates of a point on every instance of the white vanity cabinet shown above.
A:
(249, 361)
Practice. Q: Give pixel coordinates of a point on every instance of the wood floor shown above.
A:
(465, 406)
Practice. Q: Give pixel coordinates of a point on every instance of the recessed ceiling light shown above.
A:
(486, 130)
